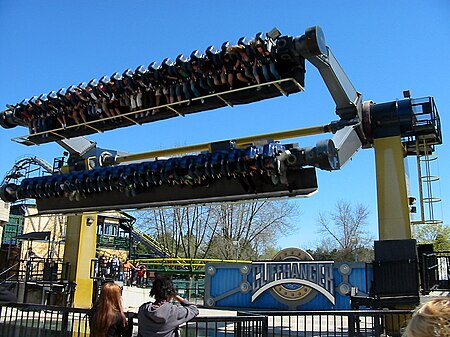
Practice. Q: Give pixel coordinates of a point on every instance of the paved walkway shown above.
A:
(134, 297)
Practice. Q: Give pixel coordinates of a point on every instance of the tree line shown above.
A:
(250, 231)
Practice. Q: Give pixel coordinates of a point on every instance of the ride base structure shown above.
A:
(249, 168)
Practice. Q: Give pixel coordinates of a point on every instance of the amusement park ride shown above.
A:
(238, 169)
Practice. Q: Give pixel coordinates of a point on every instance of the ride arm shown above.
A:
(312, 47)
(350, 135)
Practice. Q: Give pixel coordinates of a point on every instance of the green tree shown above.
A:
(438, 234)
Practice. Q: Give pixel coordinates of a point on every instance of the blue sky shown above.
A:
(385, 47)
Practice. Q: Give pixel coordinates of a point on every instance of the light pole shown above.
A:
(354, 241)
(236, 245)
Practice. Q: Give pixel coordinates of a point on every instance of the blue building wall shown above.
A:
(228, 285)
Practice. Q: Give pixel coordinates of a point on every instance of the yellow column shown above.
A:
(80, 247)
(393, 209)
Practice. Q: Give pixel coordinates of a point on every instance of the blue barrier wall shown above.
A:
(229, 285)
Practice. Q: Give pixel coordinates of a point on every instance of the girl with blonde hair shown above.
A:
(106, 317)
(431, 319)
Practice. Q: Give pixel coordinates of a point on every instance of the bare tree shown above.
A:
(184, 231)
(346, 227)
(246, 230)
(226, 231)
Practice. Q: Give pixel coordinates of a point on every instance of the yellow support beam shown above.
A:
(393, 209)
(79, 250)
(240, 142)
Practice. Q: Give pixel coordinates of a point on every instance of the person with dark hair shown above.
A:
(264, 61)
(140, 272)
(244, 65)
(106, 317)
(58, 108)
(103, 266)
(161, 318)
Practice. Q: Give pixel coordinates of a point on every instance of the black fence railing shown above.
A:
(436, 271)
(23, 320)
(247, 325)
(17, 320)
(42, 280)
(43, 270)
(337, 323)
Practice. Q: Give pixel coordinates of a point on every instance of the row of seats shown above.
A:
(232, 66)
(191, 170)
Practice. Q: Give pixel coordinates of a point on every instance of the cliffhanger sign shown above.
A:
(293, 276)
(291, 280)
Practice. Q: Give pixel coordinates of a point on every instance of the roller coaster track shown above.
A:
(23, 164)
(168, 261)
(152, 244)
(182, 265)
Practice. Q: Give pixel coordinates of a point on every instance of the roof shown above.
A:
(43, 236)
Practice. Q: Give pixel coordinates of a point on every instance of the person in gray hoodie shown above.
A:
(161, 318)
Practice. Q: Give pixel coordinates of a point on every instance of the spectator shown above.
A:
(103, 263)
(127, 272)
(30, 255)
(106, 317)
(430, 319)
(161, 318)
(140, 275)
(115, 264)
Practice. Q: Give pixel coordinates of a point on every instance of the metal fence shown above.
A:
(436, 270)
(245, 325)
(337, 323)
(24, 320)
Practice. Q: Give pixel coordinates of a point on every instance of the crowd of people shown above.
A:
(159, 317)
(145, 89)
(132, 274)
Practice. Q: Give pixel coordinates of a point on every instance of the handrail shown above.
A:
(6, 271)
